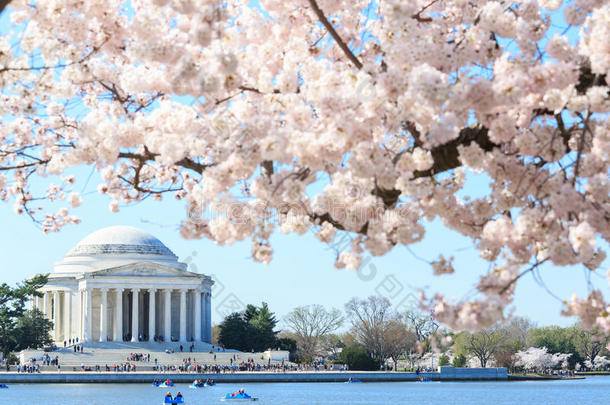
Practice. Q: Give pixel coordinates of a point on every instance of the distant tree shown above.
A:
(348, 339)
(443, 360)
(539, 358)
(357, 358)
(215, 334)
(311, 324)
(589, 343)
(459, 360)
(286, 343)
(557, 340)
(332, 345)
(233, 332)
(483, 344)
(516, 330)
(398, 341)
(249, 330)
(421, 323)
(13, 306)
(373, 323)
(515, 336)
(33, 330)
(505, 358)
(261, 324)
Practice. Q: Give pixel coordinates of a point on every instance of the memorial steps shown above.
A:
(111, 353)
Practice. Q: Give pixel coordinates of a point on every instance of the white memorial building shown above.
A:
(122, 284)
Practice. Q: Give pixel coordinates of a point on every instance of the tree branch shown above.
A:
(3, 4)
(187, 163)
(334, 34)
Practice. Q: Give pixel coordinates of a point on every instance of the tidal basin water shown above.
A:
(592, 390)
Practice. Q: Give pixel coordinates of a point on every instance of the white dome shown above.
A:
(119, 240)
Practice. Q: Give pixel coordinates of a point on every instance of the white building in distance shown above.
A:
(122, 284)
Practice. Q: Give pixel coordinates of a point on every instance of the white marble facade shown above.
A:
(121, 283)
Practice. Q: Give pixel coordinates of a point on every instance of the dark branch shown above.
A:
(187, 163)
(3, 4)
(446, 156)
(334, 34)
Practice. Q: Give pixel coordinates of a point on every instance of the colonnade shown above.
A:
(135, 314)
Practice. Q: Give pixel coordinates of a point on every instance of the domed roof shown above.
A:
(117, 240)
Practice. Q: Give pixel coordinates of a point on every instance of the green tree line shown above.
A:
(376, 335)
(20, 328)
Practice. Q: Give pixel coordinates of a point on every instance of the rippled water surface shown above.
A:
(593, 390)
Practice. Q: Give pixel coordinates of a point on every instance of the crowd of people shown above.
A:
(138, 357)
(48, 361)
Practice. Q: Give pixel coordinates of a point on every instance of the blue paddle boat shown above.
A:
(352, 380)
(177, 400)
(197, 384)
(3, 386)
(163, 384)
(239, 396)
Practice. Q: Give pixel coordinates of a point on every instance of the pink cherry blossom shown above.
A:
(311, 116)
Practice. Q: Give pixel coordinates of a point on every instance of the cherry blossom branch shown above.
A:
(94, 50)
(3, 4)
(186, 163)
(24, 165)
(418, 16)
(267, 169)
(322, 18)
(581, 146)
(515, 279)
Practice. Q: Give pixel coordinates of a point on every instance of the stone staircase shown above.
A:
(111, 353)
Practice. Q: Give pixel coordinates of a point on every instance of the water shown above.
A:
(592, 390)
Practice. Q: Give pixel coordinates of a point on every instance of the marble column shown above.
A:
(197, 320)
(118, 316)
(67, 315)
(135, 314)
(104, 315)
(152, 327)
(45, 304)
(204, 316)
(183, 315)
(167, 321)
(88, 316)
(208, 317)
(81, 315)
(56, 325)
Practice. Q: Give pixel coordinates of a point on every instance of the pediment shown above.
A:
(144, 269)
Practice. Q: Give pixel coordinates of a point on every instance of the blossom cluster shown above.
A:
(331, 115)
(538, 358)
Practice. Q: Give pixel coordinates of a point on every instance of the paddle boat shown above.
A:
(239, 396)
(3, 386)
(424, 379)
(176, 400)
(163, 384)
(210, 383)
(197, 384)
(352, 380)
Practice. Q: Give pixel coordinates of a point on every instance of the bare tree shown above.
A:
(332, 344)
(399, 341)
(484, 344)
(517, 329)
(421, 323)
(311, 324)
(377, 327)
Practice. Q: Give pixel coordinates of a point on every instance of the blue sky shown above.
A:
(301, 272)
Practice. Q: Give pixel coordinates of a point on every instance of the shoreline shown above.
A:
(262, 377)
